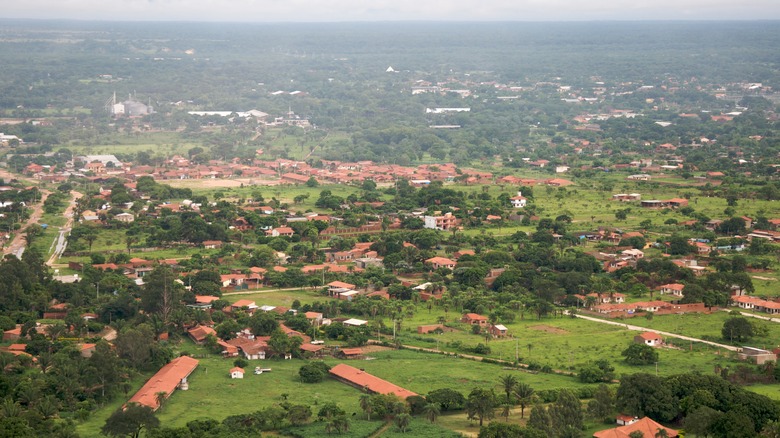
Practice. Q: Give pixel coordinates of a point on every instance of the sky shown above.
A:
(263, 11)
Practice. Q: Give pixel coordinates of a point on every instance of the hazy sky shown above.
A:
(378, 10)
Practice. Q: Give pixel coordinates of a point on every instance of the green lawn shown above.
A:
(568, 344)
(275, 297)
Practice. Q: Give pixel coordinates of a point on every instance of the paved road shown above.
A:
(671, 335)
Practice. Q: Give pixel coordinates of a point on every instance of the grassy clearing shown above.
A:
(568, 344)
(278, 298)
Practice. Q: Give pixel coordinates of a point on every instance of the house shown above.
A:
(518, 201)
(252, 349)
(204, 301)
(212, 244)
(558, 182)
(364, 381)
(86, 350)
(634, 254)
(12, 334)
(649, 338)
(444, 222)
(425, 329)
(200, 333)
(474, 319)
(171, 376)
(623, 197)
(240, 304)
(625, 420)
(232, 279)
(757, 355)
(675, 289)
(645, 426)
(227, 349)
(498, 330)
(125, 217)
(314, 317)
(280, 231)
(336, 287)
(441, 262)
(350, 353)
(355, 322)
(236, 373)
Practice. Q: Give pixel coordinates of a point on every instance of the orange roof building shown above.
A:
(363, 380)
(645, 425)
(166, 380)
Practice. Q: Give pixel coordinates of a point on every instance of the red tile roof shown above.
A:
(201, 332)
(166, 380)
(645, 425)
(364, 380)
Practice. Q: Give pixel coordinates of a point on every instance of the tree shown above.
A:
(160, 397)
(431, 411)
(733, 424)
(298, 414)
(133, 344)
(540, 420)
(644, 394)
(698, 422)
(130, 421)
(402, 421)
(603, 403)
(566, 412)
(313, 372)
(481, 404)
(524, 393)
(161, 294)
(640, 354)
(771, 430)
(508, 383)
(366, 405)
(448, 399)
(279, 344)
(737, 328)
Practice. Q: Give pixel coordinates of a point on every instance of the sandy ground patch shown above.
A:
(374, 348)
(548, 329)
(763, 278)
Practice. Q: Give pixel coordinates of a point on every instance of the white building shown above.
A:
(518, 201)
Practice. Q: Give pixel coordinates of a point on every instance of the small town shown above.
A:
(379, 248)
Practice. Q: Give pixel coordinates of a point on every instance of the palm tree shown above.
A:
(56, 330)
(506, 409)
(431, 411)
(402, 421)
(524, 393)
(662, 433)
(508, 382)
(365, 405)
(160, 397)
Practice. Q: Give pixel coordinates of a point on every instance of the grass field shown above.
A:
(213, 394)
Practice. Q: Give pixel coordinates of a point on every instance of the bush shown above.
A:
(313, 372)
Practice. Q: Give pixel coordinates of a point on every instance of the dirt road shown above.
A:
(671, 335)
(18, 243)
(61, 242)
